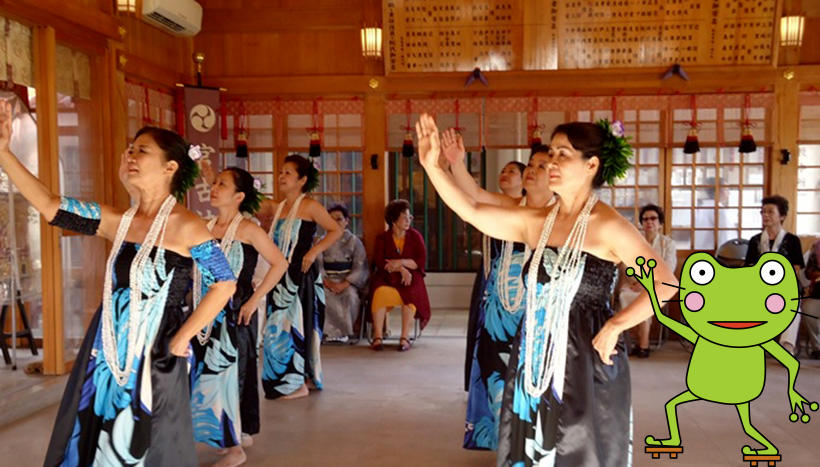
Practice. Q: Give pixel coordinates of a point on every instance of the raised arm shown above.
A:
(333, 233)
(485, 217)
(83, 217)
(279, 265)
(452, 146)
(43, 200)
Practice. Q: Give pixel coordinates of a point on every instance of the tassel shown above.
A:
(242, 144)
(691, 146)
(407, 149)
(315, 145)
(223, 120)
(747, 141)
(536, 139)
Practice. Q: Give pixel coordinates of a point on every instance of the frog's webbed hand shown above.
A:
(646, 277)
(796, 401)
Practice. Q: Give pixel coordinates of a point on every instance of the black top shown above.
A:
(789, 247)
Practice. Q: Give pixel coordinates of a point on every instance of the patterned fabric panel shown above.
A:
(78, 216)
(212, 263)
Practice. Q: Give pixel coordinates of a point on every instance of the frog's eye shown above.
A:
(702, 272)
(772, 272)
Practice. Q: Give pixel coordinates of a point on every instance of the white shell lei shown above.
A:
(503, 279)
(225, 245)
(288, 245)
(136, 325)
(556, 302)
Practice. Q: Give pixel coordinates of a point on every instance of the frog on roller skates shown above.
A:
(733, 315)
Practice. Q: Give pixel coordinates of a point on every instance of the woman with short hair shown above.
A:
(399, 259)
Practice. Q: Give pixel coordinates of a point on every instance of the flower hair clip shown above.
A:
(617, 128)
(257, 184)
(194, 152)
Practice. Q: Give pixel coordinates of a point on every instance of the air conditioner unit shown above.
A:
(179, 17)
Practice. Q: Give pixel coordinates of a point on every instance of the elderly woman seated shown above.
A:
(344, 274)
(398, 279)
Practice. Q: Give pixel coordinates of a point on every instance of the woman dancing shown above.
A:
(502, 301)
(126, 401)
(510, 183)
(293, 331)
(224, 393)
(567, 395)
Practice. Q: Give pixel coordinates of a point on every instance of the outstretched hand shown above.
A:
(5, 126)
(645, 276)
(452, 146)
(429, 142)
(206, 170)
(799, 404)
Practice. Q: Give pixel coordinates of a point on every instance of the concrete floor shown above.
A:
(407, 409)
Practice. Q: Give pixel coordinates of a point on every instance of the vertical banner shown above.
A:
(201, 106)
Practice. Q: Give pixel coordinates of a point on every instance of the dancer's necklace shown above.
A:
(556, 302)
(503, 286)
(136, 323)
(225, 245)
(287, 242)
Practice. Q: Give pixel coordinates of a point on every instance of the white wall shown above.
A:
(450, 290)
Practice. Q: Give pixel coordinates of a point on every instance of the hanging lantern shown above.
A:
(692, 145)
(747, 140)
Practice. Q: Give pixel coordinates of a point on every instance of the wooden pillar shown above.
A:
(114, 123)
(45, 46)
(783, 178)
(374, 190)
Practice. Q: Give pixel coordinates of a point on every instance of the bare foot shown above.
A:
(235, 456)
(247, 440)
(301, 392)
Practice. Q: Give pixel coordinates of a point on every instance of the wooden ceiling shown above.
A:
(255, 38)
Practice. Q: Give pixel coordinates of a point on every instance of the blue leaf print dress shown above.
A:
(589, 424)
(215, 381)
(148, 420)
(295, 317)
(497, 328)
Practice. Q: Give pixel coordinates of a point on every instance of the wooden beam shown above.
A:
(45, 48)
(144, 70)
(783, 178)
(560, 82)
(63, 15)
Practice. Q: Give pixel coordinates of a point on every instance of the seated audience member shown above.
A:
(344, 274)
(398, 274)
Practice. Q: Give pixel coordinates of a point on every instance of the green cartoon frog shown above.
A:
(734, 314)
